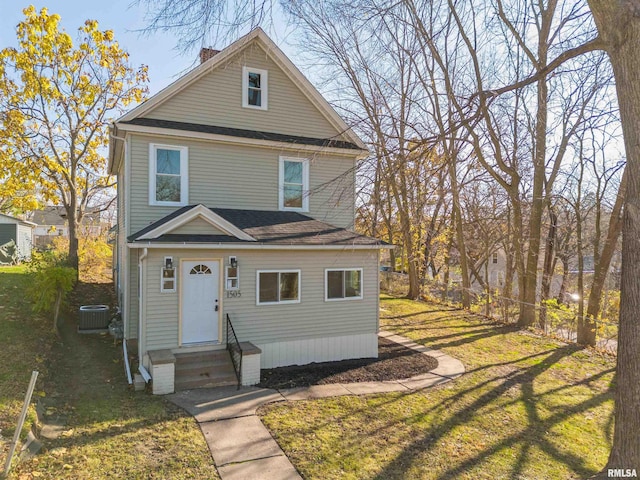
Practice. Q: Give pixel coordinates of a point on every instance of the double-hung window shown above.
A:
(255, 83)
(168, 175)
(343, 284)
(278, 286)
(294, 184)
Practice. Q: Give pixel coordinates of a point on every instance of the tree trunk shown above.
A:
(528, 296)
(447, 268)
(604, 259)
(72, 212)
(56, 310)
(459, 228)
(565, 276)
(618, 24)
(585, 329)
(547, 273)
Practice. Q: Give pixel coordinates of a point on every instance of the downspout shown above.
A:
(141, 336)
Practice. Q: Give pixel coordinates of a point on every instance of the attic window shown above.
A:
(254, 88)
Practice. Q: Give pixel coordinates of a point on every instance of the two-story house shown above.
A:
(236, 204)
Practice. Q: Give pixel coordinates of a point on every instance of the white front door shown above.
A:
(200, 301)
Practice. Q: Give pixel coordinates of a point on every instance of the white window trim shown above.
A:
(305, 184)
(282, 302)
(184, 174)
(175, 281)
(346, 269)
(264, 88)
(226, 278)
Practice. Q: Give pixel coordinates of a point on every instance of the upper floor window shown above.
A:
(294, 184)
(168, 175)
(254, 88)
(494, 258)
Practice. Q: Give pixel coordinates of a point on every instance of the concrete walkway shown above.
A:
(241, 446)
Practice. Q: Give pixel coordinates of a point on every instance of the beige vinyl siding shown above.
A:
(233, 176)
(216, 99)
(198, 226)
(313, 317)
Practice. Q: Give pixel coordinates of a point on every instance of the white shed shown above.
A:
(21, 233)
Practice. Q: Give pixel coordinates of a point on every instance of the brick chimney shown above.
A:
(206, 54)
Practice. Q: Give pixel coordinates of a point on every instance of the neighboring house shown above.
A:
(236, 200)
(492, 271)
(51, 222)
(18, 231)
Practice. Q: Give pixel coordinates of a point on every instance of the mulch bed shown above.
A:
(394, 362)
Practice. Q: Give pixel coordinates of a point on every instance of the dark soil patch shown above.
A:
(394, 362)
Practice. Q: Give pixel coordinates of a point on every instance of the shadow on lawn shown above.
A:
(484, 390)
(532, 436)
(464, 337)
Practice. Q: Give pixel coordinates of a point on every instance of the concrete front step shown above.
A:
(210, 356)
(190, 382)
(204, 365)
(204, 369)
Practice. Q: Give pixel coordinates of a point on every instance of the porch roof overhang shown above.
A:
(250, 229)
(252, 246)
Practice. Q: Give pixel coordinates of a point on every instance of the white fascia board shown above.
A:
(253, 246)
(199, 211)
(253, 142)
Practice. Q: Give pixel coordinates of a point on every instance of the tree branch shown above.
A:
(590, 46)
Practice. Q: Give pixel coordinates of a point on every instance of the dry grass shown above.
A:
(111, 431)
(527, 408)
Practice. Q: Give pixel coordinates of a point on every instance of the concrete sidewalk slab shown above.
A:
(424, 381)
(207, 404)
(315, 391)
(239, 440)
(447, 366)
(241, 446)
(272, 468)
(365, 388)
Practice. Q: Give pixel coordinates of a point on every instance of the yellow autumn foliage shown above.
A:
(57, 100)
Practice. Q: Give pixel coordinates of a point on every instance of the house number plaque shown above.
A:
(234, 293)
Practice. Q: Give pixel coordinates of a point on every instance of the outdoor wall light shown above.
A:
(233, 261)
(168, 263)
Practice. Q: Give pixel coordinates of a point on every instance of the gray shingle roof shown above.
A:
(267, 227)
(239, 132)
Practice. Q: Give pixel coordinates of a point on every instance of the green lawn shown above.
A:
(111, 431)
(24, 344)
(527, 408)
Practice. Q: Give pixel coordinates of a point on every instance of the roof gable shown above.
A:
(198, 226)
(218, 80)
(182, 217)
(260, 228)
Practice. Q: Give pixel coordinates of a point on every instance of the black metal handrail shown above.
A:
(235, 351)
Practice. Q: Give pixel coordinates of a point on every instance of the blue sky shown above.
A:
(157, 51)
